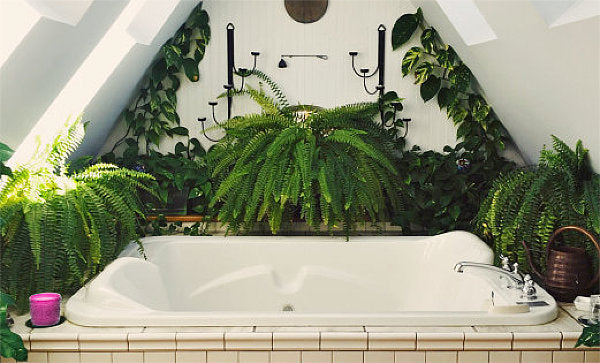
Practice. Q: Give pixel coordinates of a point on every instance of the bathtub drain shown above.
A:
(287, 307)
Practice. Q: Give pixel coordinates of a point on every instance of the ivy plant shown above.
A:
(11, 344)
(590, 336)
(441, 74)
(153, 114)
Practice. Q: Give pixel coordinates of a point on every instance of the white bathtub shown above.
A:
(300, 281)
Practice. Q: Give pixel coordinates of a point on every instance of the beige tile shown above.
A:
(63, 357)
(221, 357)
(505, 357)
(564, 322)
(440, 341)
(392, 341)
(54, 341)
(68, 327)
(285, 357)
(159, 357)
(473, 357)
(296, 341)
(253, 357)
(128, 357)
(198, 329)
(103, 342)
(7, 360)
(592, 356)
(537, 341)
(19, 327)
(200, 341)
(269, 329)
(488, 341)
(151, 341)
(409, 357)
(190, 357)
(317, 357)
(536, 356)
(343, 341)
(95, 357)
(37, 357)
(379, 357)
(419, 329)
(568, 357)
(26, 340)
(569, 339)
(440, 357)
(348, 357)
(248, 341)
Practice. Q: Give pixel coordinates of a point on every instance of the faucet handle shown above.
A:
(529, 291)
(515, 269)
(505, 263)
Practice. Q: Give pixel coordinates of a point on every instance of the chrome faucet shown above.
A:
(513, 276)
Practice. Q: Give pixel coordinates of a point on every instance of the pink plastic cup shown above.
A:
(45, 309)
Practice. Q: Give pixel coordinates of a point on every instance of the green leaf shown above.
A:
(191, 69)
(180, 148)
(480, 111)
(403, 30)
(410, 60)
(171, 95)
(182, 131)
(172, 55)
(423, 71)
(430, 87)
(428, 40)
(174, 82)
(460, 77)
(445, 97)
(446, 58)
(168, 110)
(159, 71)
(5, 152)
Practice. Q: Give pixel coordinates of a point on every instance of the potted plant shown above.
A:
(529, 204)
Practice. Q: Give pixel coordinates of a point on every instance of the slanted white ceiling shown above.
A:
(540, 79)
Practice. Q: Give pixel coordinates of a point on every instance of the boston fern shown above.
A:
(61, 229)
(528, 205)
(327, 167)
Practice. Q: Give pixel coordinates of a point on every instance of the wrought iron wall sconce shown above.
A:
(283, 63)
(231, 70)
(364, 72)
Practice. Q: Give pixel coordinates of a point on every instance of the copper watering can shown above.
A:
(568, 269)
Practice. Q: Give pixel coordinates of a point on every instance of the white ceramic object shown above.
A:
(301, 281)
(582, 303)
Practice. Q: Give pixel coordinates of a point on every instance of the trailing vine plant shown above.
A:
(440, 72)
(153, 113)
(61, 229)
(153, 116)
(443, 191)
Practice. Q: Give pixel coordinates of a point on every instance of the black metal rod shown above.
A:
(381, 57)
(230, 65)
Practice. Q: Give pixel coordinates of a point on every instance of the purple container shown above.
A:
(45, 309)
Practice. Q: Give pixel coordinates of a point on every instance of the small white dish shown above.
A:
(582, 303)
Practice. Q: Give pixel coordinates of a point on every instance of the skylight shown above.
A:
(16, 20)
(561, 12)
(468, 21)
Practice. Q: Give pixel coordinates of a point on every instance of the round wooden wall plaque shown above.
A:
(306, 11)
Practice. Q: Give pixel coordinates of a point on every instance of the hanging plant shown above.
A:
(440, 72)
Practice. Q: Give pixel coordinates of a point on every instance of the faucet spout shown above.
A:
(515, 279)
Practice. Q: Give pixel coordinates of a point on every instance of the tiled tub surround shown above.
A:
(548, 343)
(256, 280)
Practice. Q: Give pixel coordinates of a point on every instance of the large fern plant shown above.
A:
(61, 229)
(528, 205)
(332, 167)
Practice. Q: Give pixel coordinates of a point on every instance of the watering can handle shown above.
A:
(587, 234)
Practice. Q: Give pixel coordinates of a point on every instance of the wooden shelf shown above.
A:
(180, 218)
